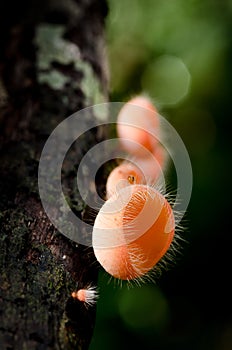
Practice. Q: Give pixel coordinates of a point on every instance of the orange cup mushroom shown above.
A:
(138, 129)
(123, 175)
(133, 231)
(136, 122)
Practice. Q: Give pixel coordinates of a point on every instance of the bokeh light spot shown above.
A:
(167, 80)
(144, 308)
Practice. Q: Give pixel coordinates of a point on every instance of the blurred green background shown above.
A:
(180, 53)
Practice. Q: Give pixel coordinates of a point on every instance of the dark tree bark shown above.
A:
(40, 85)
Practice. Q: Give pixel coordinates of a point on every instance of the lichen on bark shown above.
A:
(39, 267)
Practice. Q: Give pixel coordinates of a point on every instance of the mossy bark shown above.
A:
(51, 65)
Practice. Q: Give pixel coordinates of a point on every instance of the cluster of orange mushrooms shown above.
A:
(135, 227)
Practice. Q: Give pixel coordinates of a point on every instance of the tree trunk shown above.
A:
(51, 65)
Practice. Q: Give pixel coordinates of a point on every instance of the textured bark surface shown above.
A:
(51, 65)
